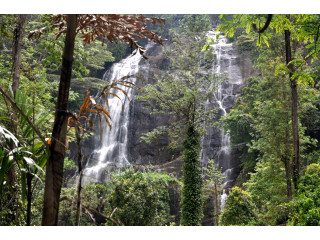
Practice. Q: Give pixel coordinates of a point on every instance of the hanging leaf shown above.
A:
(124, 92)
(29, 161)
(103, 110)
(7, 136)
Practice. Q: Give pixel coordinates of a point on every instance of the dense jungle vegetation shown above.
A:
(48, 63)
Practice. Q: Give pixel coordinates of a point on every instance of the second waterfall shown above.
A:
(216, 143)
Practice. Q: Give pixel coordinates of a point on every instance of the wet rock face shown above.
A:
(141, 121)
(246, 65)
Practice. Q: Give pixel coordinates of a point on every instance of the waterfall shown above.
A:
(219, 147)
(113, 154)
(223, 199)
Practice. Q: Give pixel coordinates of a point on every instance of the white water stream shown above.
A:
(224, 98)
(113, 153)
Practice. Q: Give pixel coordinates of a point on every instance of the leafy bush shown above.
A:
(313, 169)
(304, 209)
(246, 43)
(141, 199)
(267, 187)
(239, 209)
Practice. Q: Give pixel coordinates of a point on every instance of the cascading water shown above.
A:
(113, 154)
(224, 97)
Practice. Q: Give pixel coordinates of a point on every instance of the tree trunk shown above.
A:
(79, 187)
(16, 62)
(29, 198)
(54, 168)
(295, 132)
(286, 161)
(16, 52)
(216, 205)
(286, 158)
(294, 111)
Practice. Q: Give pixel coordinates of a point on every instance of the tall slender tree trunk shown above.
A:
(294, 110)
(295, 132)
(286, 158)
(286, 161)
(16, 52)
(29, 198)
(216, 204)
(16, 62)
(54, 168)
(79, 187)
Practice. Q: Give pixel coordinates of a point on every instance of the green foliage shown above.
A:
(304, 28)
(11, 206)
(246, 43)
(304, 209)
(98, 55)
(141, 199)
(213, 174)
(46, 51)
(149, 137)
(260, 127)
(313, 169)
(26, 157)
(172, 23)
(92, 195)
(213, 185)
(259, 124)
(7, 141)
(14, 153)
(118, 50)
(6, 25)
(191, 203)
(260, 118)
(67, 210)
(267, 186)
(68, 164)
(310, 120)
(239, 209)
(269, 106)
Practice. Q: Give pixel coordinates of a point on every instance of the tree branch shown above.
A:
(24, 116)
(266, 25)
(91, 210)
